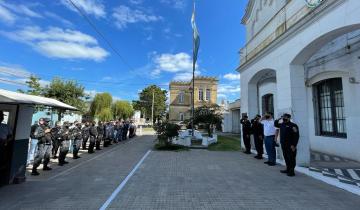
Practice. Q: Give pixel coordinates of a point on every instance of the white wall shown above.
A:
(285, 58)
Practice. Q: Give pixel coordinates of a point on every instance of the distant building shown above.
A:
(180, 96)
(231, 120)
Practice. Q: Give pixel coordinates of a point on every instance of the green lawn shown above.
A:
(148, 129)
(226, 143)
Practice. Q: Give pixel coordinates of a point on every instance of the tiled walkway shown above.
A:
(345, 170)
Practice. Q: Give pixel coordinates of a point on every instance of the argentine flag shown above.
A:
(196, 37)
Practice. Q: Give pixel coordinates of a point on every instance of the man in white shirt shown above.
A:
(270, 141)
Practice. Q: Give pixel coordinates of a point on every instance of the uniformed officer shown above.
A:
(125, 130)
(85, 134)
(289, 138)
(100, 130)
(55, 136)
(5, 138)
(93, 137)
(246, 132)
(64, 143)
(258, 132)
(43, 135)
(77, 136)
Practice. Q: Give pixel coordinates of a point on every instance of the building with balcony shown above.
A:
(180, 96)
(303, 57)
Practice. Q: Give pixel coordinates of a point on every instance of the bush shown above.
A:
(165, 132)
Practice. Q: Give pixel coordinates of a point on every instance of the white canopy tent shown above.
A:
(19, 109)
(10, 97)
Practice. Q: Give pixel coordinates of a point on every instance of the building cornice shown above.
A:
(248, 11)
(305, 21)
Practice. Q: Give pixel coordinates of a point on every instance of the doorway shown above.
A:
(7, 141)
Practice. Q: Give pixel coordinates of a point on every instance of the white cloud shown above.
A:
(226, 88)
(185, 76)
(232, 76)
(124, 15)
(59, 43)
(6, 16)
(16, 75)
(136, 2)
(59, 19)
(176, 4)
(21, 9)
(90, 7)
(180, 64)
(14, 71)
(221, 96)
(107, 78)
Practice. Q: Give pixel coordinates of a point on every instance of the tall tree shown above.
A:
(122, 109)
(145, 101)
(100, 102)
(105, 114)
(34, 87)
(69, 92)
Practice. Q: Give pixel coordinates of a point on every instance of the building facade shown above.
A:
(303, 57)
(180, 97)
(231, 120)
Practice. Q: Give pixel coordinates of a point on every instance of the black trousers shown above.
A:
(55, 147)
(98, 142)
(289, 157)
(259, 145)
(62, 154)
(246, 138)
(92, 144)
(84, 143)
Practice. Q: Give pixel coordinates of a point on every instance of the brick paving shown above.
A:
(199, 179)
(195, 179)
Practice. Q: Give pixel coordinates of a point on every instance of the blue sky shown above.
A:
(152, 37)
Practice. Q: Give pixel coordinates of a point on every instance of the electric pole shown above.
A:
(152, 108)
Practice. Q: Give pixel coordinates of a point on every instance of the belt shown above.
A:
(270, 136)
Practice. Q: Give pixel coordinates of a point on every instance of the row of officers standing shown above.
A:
(61, 139)
(267, 130)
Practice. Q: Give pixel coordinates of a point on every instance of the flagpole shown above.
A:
(193, 95)
(193, 85)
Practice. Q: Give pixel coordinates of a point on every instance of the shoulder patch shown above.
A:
(295, 129)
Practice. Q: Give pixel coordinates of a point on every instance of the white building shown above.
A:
(231, 120)
(305, 59)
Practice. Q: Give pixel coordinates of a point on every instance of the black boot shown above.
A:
(47, 168)
(35, 172)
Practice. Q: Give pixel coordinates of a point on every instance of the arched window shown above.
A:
(208, 95)
(181, 116)
(201, 94)
(329, 108)
(181, 97)
(268, 104)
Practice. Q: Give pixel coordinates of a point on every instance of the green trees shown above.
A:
(122, 110)
(34, 87)
(69, 92)
(101, 106)
(209, 116)
(146, 98)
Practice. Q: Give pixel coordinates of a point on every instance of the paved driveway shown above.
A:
(200, 179)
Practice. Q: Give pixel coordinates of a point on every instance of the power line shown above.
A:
(12, 82)
(100, 34)
(89, 82)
